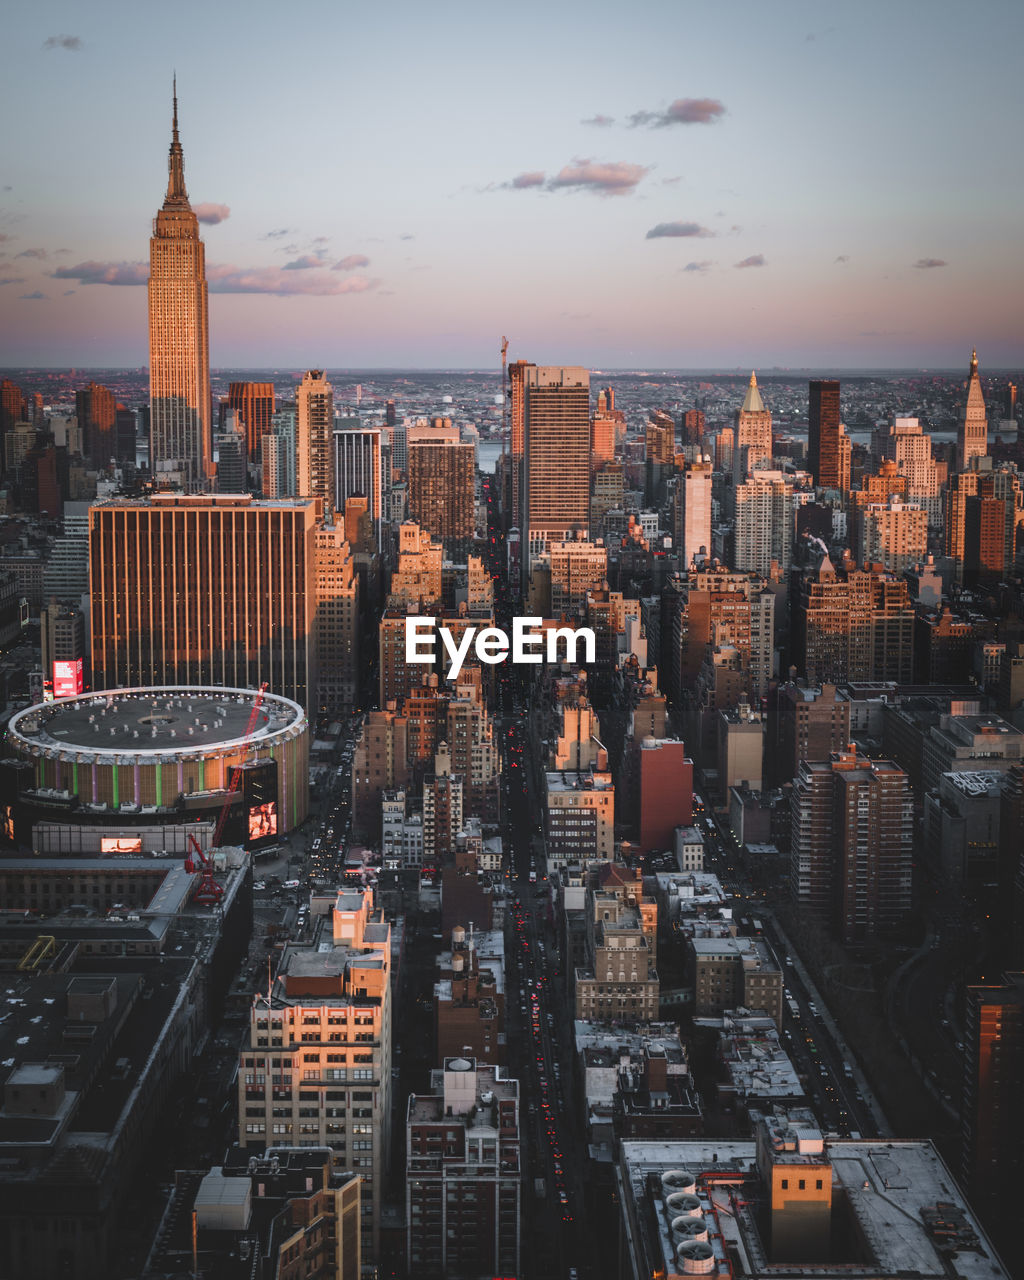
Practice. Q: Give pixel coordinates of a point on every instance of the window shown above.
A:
(785, 1184)
(802, 1184)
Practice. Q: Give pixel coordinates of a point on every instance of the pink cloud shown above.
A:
(211, 214)
(105, 272)
(351, 262)
(281, 282)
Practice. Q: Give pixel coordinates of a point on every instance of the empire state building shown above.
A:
(180, 439)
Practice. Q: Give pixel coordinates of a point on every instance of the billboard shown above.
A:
(263, 820)
(120, 844)
(67, 678)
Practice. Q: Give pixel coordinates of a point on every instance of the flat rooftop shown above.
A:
(152, 720)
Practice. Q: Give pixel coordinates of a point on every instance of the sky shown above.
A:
(664, 184)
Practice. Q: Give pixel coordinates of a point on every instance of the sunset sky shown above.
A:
(670, 185)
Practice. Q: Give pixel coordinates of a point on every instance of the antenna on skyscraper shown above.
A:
(504, 399)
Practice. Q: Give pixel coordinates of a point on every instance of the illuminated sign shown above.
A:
(67, 678)
(263, 820)
(120, 844)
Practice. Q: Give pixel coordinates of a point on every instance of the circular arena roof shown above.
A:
(153, 724)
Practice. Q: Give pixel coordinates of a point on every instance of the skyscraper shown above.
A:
(823, 446)
(441, 492)
(180, 438)
(753, 442)
(692, 512)
(972, 427)
(96, 411)
(204, 590)
(314, 431)
(253, 402)
(517, 403)
(556, 454)
(764, 522)
(358, 463)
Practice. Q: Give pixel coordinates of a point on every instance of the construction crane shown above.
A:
(208, 892)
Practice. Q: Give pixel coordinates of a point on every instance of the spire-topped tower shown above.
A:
(972, 429)
(180, 440)
(753, 434)
(177, 196)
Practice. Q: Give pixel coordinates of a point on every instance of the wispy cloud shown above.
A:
(72, 43)
(38, 254)
(678, 230)
(68, 293)
(33, 297)
(278, 233)
(755, 260)
(702, 267)
(305, 263)
(602, 177)
(211, 214)
(104, 272)
(281, 283)
(599, 121)
(926, 264)
(11, 280)
(842, 257)
(351, 262)
(682, 111)
(406, 236)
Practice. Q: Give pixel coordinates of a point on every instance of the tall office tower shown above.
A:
(358, 468)
(232, 469)
(462, 1173)
(725, 449)
(278, 456)
(691, 426)
(317, 1067)
(853, 625)
(984, 509)
(852, 843)
(804, 723)
(602, 439)
(764, 523)
(691, 515)
(911, 450)
(180, 437)
(556, 462)
(823, 447)
(314, 440)
(660, 438)
(893, 534)
(337, 621)
(753, 443)
(12, 404)
(1010, 402)
(577, 566)
(993, 1102)
(206, 591)
(442, 480)
(390, 413)
(66, 573)
(517, 443)
(96, 410)
(253, 402)
(125, 431)
(972, 425)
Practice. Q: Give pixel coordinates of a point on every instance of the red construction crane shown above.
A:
(208, 892)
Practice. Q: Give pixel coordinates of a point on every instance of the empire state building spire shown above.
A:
(177, 196)
(180, 437)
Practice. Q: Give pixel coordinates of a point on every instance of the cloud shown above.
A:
(12, 280)
(72, 43)
(211, 214)
(600, 121)
(843, 257)
(604, 178)
(702, 267)
(104, 272)
(675, 230)
(38, 254)
(276, 235)
(32, 297)
(755, 260)
(524, 181)
(351, 262)
(278, 282)
(304, 263)
(926, 264)
(68, 293)
(406, 236)
(682, 111)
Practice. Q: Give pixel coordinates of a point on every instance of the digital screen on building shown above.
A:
(67, 678)
(120, 844)
(263, 820)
